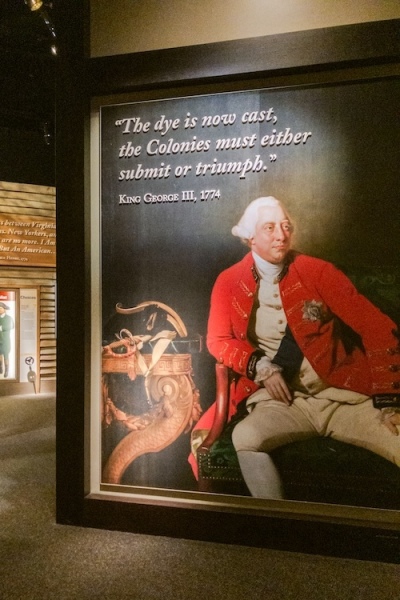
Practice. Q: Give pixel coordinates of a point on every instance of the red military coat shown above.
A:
(317, 299)
(322, 306)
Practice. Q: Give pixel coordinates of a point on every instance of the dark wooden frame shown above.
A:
(340, 53)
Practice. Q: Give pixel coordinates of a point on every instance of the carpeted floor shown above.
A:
(41, 560)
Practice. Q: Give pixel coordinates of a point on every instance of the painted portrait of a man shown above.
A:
(309, 351)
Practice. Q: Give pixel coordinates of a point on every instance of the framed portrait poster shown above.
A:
(176, 175)
(244, 358)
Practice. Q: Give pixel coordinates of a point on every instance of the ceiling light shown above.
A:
(34, 4)
(39, 7)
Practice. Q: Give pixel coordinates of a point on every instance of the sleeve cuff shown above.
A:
(251, 371)
(265, 368)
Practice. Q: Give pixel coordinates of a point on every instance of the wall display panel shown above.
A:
(161, 208)
(176, 175)
(8, 322)
(29, 343)
(19, 336)
(27, 241)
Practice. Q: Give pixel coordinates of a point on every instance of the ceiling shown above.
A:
(27, 66)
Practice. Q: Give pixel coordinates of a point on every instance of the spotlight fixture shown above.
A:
(40, 7)
(34, 4)
(47, 133)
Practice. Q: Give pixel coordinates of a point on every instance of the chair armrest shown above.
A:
(221, 408)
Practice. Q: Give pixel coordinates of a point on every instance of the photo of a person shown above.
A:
(310, 352)
(6, 325)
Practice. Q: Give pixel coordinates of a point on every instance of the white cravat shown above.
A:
(267, 271)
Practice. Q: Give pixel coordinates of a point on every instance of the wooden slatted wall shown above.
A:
(36, 201)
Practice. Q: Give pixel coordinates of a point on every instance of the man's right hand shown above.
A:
(392, 422)
(278, 389)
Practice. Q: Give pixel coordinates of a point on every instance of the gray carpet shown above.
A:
(42, 560)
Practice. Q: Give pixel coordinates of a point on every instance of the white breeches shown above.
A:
(271, 424)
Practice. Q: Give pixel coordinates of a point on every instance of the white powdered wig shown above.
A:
(246, 227)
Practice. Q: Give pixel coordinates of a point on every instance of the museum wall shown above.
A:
(123, 26)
